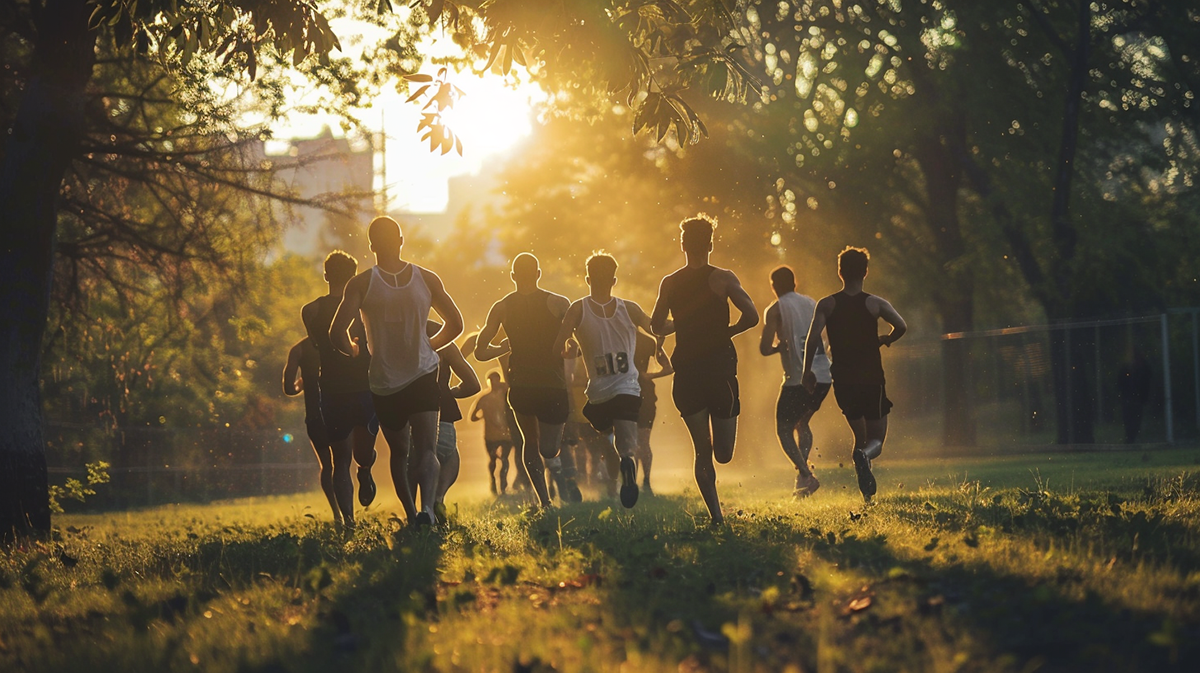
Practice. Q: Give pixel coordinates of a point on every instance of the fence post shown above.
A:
(1166, 353)
(1070, 392)
(1099, 382)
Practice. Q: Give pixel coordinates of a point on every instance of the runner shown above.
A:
(346, 405)
(785, 329)
(450, 362)
(304, 364)
(531, 316)
(394, 299)
(492, 409)
(648, 348)
(693, 303)
(607, 329)
(520, 480)
(851, 318)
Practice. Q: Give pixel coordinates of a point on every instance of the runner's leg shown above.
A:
(724, 434)
(645, 454)
(492, 451)
(343, 483)
(363, 443)
(530, 456)
(424, 442)
(448, 460)
(506, 450)
(325, 459)
(398, 445)
(706, 474)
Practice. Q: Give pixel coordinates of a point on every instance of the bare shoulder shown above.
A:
(430, 278)
(826, 304)
(724, 280)
(772, 310)
(557, 303)
(360, 282)
(877, 304)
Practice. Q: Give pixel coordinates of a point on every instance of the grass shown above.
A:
(1068, 562)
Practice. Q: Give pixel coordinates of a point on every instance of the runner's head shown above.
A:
(340, 267)
(601, 271)
(696, 234)
(525, 269)
(783, 280)
(852, 263)
(385, 237)
(494, 379)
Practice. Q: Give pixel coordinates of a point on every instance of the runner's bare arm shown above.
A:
(664, 362)
(770, 330)
(476, 413)
(347, 311)
(292, 383)
(660, 322)
(468, 380)
(484, 350)
(741, 301)
(639, 317)
(824, 307)
(890, 316)
(557, 304)
(443, 304)
(562, 341)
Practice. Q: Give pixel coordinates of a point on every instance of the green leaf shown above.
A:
(418, 77)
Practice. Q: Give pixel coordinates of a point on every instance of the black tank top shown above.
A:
(531, 329)
(701, 323)
(310, 371)
(854, 341)
(339, 373)
(448, 406)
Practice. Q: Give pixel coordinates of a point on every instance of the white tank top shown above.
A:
(395, 319)
(608, 345)
(795, 317)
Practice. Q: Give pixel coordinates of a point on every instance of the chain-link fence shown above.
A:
(151, 466)
(1107, 382)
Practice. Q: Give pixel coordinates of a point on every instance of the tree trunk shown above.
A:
(45, 137)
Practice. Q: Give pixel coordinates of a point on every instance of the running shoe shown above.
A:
(629, 487)
(439, 510)
(646, 490)
(866, 480)
(423, 519)
(873, 449)
(806, 486)
(570, 490)
(366, 486)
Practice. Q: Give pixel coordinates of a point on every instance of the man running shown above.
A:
(697, 297)
(607, 329)
(492, 409)
(648, 348)
(304, 364)
(785, 329)
(346, 405)
(394, 298)
(851, 318)
(450, 363)
(531, 316)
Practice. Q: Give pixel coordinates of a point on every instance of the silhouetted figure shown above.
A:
(648, 349)
(492, 409)
(1133, 386)
(346, 405)
(394, 298)
(537, 392)
(785, 331)
(300, 374)
(451, 363)
(606, 329)
(851, 318)
(693, 304)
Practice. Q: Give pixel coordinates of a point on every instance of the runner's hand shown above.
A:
(355, 349)
(885, 340)
(570, 349)
(809, 380)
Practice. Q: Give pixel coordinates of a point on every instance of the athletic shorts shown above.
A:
(617, 408)
(696, 391)
(396, 409)
(317, 433)
(447, 442)
(862, 400)
(342, 412)
(795, 402)
(496, 447)
(548, 405)
(646, 414)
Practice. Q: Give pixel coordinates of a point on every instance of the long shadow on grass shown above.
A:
(670, 585)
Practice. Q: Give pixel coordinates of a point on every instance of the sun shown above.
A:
(492, 115)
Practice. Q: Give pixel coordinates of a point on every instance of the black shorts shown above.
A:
(862, 400)
(618, 408)
(696, 391)
(548, 405)
(316, 432)
(648, 411)
(419, 396)
(342, 412)
(497, 447)
(795, 402)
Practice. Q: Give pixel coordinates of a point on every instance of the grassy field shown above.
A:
(1066, 562)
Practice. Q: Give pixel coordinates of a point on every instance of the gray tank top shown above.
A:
(395, 320)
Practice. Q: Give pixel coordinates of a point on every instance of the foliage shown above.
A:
(1000, 572)
(74, 489)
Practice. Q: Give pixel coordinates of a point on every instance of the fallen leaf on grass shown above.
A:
(858, 604)
(581, 581)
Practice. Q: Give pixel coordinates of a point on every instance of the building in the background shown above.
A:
(339, 172)
(470, 196)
